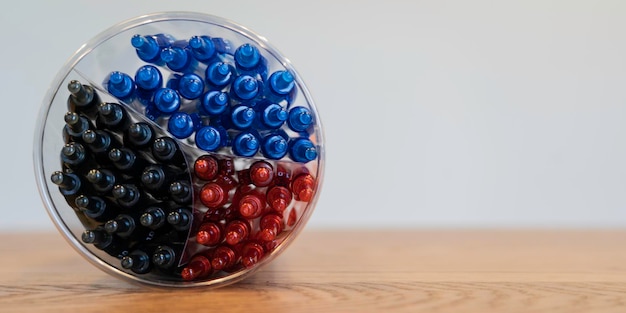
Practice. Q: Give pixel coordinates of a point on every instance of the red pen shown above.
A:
(198, 267)
(252, 204)
(209, 234)
(237, 231)
(270, 226)
(279, 198)
(206, 167)
(261, 173)
(215, 194)
(251, 254)
(224, 258)
(303, 187)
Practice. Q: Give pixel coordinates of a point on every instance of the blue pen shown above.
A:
(245, 144)
(120, 85)
(302, 150)
(280, 85)
(214, 102)
(178, 58)
(219, 74)
(181, 125)
(240, 117)
(245, 88)
(249, 60)
(166, 100)
(274, 146)
(271, 115)
(300, 119)
(202, 48)
(190, 86)
(209, 138)
(148, 79)
(149, 47)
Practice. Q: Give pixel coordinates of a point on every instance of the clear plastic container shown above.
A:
(228, 191)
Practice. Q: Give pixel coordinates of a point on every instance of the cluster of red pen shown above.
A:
(247, 209)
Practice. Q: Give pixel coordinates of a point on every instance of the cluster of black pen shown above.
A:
(127, 182)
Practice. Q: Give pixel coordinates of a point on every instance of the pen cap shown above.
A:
(203, 100)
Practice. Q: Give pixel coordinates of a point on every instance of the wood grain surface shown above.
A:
(349, 271)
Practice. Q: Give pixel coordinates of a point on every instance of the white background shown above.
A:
(437, 113)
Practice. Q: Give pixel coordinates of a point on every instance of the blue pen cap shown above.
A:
(177, 59)
(302, 150)
(281, 83)
(208, 138)
(274, 147)
(214, 102)
(190, 86)
(166, 100)
(245, 144)
(147, 48)
(242, 117)
(120, 85)
(247, 57)
(148, 77)
(202, 48)
(245, 87)
(273, 116)
(219, 74)
(300, 119)
(180, 125)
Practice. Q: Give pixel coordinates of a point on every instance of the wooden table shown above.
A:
(349, 271)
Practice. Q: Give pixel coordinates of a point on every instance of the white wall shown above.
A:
(437, 113)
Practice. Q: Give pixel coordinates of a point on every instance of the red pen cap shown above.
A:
(251, 254)
(213, 195)
(237, 231)
(209, 234)
(198, 267)
(303, 187)
(261, 173)
(206, 167)
(279, 197)
(270, 226)
(252, 205)
(223, 258)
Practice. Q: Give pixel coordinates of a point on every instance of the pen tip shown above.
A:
(69, 149)
(71, 118)
(111, 226)
(89, 136)
(74, 87)
(88, 236)
(119, 191)
(174, 218)
(115, 155)
(94, 175)
(105, 108)
(146, 219)
(127, 262)
(57, 177)
(82, 201)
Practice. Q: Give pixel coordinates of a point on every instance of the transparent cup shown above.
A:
(237, 185)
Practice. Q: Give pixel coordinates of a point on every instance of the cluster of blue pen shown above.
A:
(222, 96)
